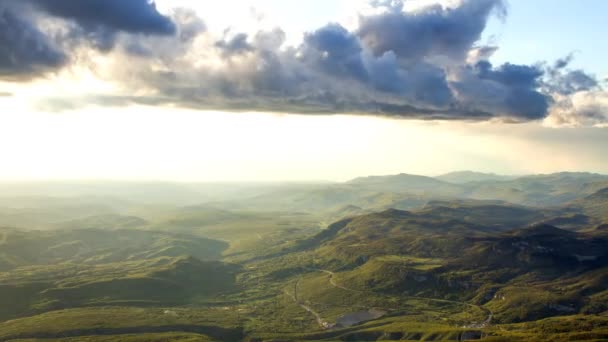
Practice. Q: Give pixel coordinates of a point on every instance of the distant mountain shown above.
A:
(461, 177)
(562, 177)
(328, 199)
(407, 183)
(143, 192)
(540, 190)
(412, 192)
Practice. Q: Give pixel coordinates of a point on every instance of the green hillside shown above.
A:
(520, 275)
(374, 259)
(595, 205)
(94, 246)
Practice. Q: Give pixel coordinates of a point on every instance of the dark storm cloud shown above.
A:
(520, 76)
(98, 22)
(422, 81)
(188, 26)
(334, 50)
(133, 16)
(330, 72)
(28, 51)
(432, 31)
(25, 51)
(384, 68)
(520, 84)
(334, 40)
(509, 90)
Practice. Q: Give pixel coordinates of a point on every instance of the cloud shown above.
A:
(188, 27)
(334, 50)
(583, 108)
(522, 76)
(509, 91)
(579, 99)
(335, 70)
(428, 32)
(574, 81)
(563, 62)
(26, 52)
(99, 22)
(234, 46)
(424, 63)
(133, 16)
(39, 36)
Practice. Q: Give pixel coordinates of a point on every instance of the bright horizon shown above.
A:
(209, 105)
(274, 147)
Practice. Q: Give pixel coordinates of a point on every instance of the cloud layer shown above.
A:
(425, 63)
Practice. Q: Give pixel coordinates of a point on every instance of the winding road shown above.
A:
(326, 325)
(480, 325)
(323, 324)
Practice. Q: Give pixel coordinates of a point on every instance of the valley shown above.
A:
(465, 256)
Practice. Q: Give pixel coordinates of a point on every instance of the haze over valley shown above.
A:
(462, 255)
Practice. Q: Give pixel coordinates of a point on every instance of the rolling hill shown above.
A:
(94, 246)
(429, 255)
(595, 205)
(406, 258)
(462, 177)
(407, 183)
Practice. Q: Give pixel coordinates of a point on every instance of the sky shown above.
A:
(550, 29)
(268, 90)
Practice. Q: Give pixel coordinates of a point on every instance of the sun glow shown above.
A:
(174, 144)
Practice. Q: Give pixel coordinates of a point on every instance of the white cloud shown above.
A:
(584, 108)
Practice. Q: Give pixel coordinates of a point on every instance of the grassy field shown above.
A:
(217, 324)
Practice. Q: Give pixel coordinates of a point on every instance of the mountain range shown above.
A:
(464, 256)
